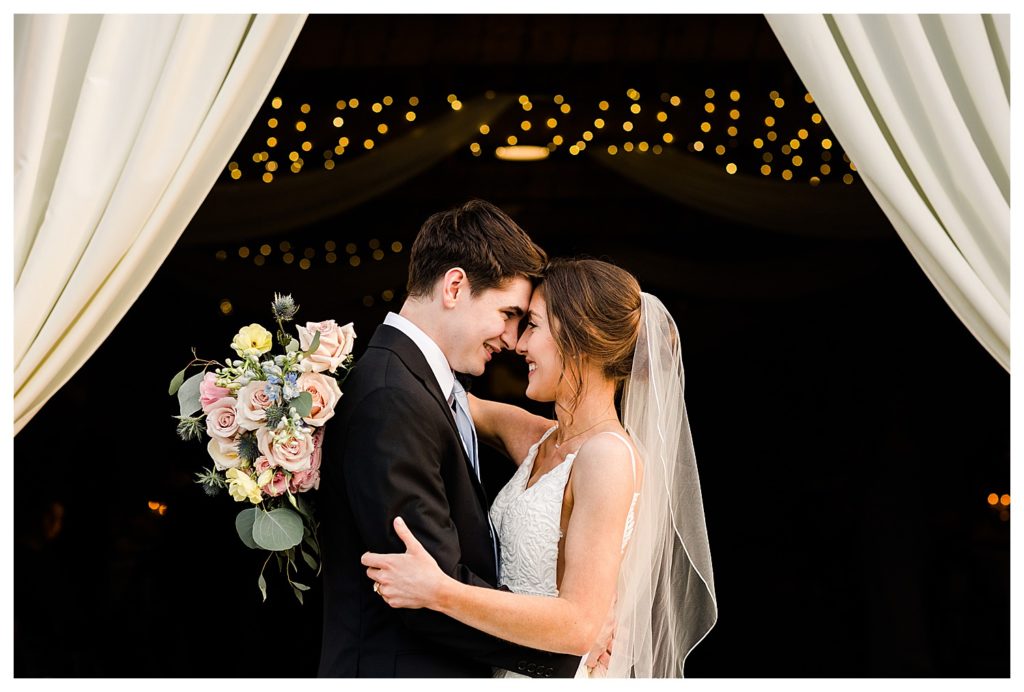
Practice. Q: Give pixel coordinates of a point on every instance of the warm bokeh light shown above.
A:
(522, 153)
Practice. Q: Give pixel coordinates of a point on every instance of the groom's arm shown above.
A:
(392, 467)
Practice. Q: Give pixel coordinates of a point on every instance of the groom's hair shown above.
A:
(480, 238)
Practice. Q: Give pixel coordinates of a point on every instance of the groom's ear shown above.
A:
(453, 284)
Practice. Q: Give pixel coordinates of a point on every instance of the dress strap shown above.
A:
(632, 459)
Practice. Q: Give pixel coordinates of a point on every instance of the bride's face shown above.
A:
(537, 345)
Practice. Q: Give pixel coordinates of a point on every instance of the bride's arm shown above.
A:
(508, 428)
(602, 487)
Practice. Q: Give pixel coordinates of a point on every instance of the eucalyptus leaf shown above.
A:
(310, 560)
(243, 524)
(176, 381)
(263, 586)
(188, 395)
(298, 595)
(313, 345)
(293, 346)
(278, 529)
(300, 587)
(311, 542)
(303, 404)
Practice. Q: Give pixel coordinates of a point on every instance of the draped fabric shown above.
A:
(921, 103)
(825, 211)
(241, 211)
(122, 123)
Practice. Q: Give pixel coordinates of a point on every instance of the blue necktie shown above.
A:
(467, 431)
(460, 404)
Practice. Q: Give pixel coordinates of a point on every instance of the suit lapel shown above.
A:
(408, 352)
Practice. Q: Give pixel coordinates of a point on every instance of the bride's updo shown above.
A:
(594, 312)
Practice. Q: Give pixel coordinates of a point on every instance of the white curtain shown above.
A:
(122, 124)
(921, 103)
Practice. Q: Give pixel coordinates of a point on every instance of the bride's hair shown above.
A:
(594, 311)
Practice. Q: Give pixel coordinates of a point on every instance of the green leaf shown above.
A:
(293, 345)
(300, 587)
(291, 499)
(243, 524)
(313, 345)
(303, 403)
(262, 583)
(176, 381)
(310, 540)
(188, 395)
(278, 529)
(310, 560)
(298, 595)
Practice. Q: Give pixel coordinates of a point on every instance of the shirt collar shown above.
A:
(431, 351)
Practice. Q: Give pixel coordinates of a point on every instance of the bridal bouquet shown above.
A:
(264, 416)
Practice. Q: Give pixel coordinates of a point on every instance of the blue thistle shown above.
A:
(284, 307)
(274, 415)
(211, 481)
(248, 450)
(189, 427)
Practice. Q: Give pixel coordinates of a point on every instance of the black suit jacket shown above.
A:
(393, 449)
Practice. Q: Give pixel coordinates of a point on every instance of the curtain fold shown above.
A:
(921, 105)
(122, 125)
(242, 211)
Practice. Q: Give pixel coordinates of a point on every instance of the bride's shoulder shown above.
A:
(605, 456)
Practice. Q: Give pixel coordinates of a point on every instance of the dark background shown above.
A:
(848, 427)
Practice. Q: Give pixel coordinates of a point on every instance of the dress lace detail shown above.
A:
(528, 524)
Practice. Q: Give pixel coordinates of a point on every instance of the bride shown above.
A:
(603, 546)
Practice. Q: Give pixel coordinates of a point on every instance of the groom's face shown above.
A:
(486, 322)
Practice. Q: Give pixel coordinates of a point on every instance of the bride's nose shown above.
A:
(521, 344)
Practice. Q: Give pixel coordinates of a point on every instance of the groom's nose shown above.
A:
(510, 336)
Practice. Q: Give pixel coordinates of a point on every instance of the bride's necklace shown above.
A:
(559, 444)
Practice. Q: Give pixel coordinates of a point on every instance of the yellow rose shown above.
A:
(241, 487)
(252, 341)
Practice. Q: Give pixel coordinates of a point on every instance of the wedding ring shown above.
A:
(376, 587)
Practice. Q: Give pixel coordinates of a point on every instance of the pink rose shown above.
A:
(325, 392)
(310, 478)
(252, 405)
(277, 485)
(261, 464)
(335, 344)
(209, 392)
(221, 419)
(292, 454)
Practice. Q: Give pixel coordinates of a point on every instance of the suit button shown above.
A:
(547, 673)
(521, 666)
(531, 668)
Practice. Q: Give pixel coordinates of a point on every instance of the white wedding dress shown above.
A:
(528, 525)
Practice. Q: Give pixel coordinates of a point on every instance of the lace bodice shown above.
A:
(528, 524)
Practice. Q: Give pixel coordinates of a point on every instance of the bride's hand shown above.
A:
(407, 580)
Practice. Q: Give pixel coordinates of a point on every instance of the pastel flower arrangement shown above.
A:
(264, 415)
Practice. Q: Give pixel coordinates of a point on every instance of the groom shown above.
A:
(401, 444)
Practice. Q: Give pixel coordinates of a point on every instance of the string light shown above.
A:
(635, 126)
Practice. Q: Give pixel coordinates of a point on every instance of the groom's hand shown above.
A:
(406, 580)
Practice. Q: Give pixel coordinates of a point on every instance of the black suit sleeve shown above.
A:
(392, 467)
